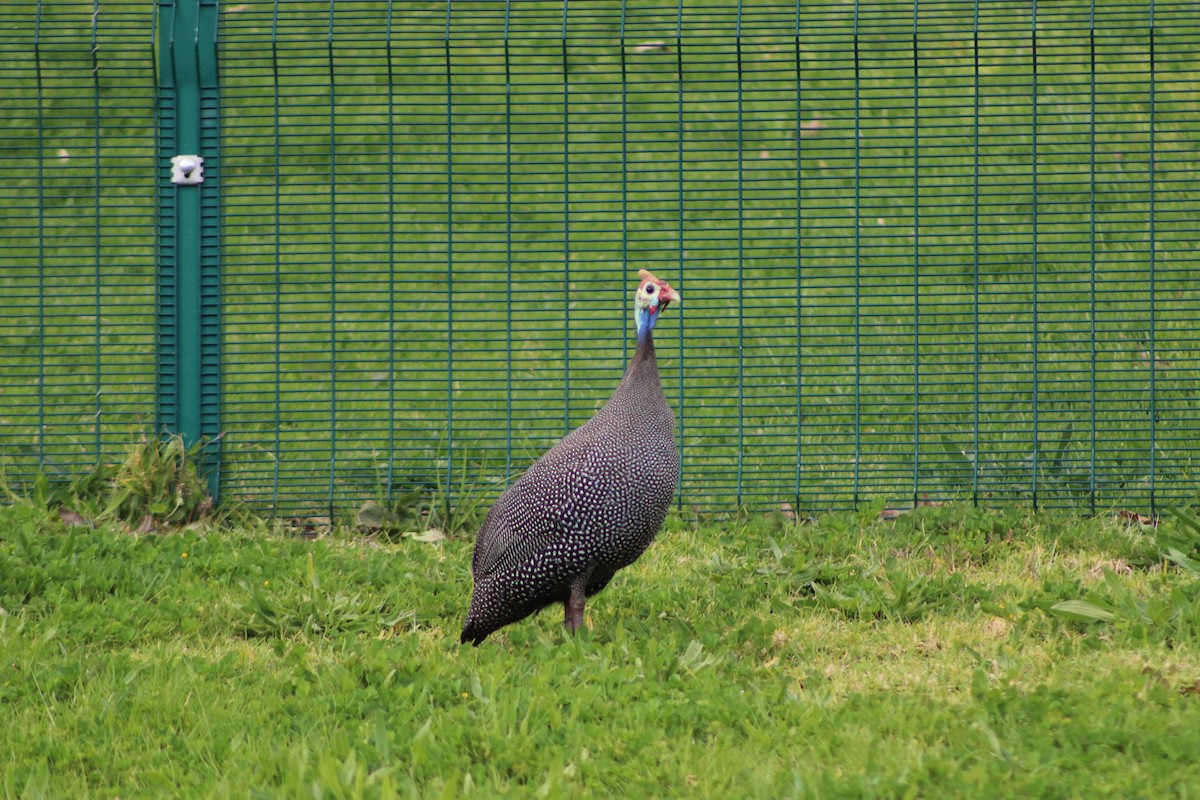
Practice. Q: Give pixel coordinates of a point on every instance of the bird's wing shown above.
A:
(530, 514)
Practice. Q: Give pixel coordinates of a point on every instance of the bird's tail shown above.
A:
(472, 632)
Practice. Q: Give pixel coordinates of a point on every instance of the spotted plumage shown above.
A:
(590, 505)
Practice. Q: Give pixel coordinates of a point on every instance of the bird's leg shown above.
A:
(573, 608)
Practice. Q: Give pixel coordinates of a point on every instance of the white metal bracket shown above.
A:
(187, 170)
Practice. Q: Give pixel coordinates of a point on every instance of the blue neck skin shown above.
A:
(645, 323)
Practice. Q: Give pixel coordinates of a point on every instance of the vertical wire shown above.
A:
(916, 257)
(391, 184)
(624, 306)
(96, 212)
(799, 275)
(217, 477)
(857, 261)
(1151, 344)
(278, 256)
(1034, 258)
(741, 267)
(566, 193)
(446, 495)
(679, 220)
(508, 253)
(332, 263)
(975, 264)
(1092, 247)
(41, 228)
(159, 214)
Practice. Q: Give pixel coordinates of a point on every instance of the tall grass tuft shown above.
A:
(158, 484)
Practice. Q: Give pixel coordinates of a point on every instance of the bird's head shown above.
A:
(652, 298)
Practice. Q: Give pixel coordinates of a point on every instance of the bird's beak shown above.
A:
(668, 295)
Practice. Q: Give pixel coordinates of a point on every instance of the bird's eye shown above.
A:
(649, 288)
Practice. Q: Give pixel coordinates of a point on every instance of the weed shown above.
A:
(1170, 615)
(1049, 471)
(1180, 543)
(159, 480)
(158, 483)
(299, 606)
(427, 508)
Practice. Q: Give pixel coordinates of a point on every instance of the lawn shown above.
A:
(854, 656)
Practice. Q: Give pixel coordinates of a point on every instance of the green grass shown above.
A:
(850, 657)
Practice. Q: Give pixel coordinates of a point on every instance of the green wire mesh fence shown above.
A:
(926, 250)
(77, 234)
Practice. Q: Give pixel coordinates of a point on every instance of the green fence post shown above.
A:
(189, 301)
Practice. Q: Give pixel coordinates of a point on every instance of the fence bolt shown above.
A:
(187, 170)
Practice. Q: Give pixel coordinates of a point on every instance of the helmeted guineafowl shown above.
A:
(590, 505)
